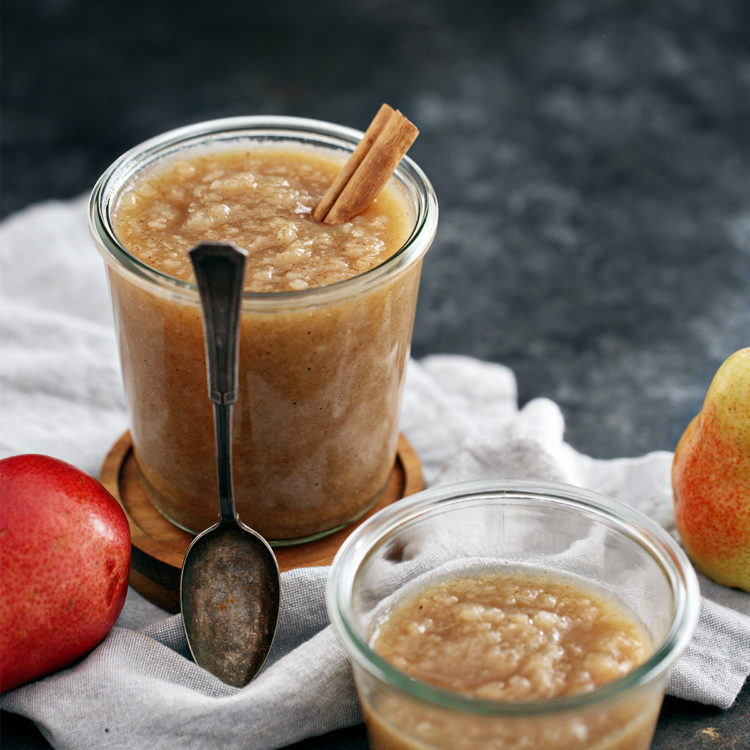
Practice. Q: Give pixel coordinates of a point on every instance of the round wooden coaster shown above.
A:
(158, 546)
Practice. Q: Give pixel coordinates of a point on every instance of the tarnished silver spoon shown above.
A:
(230, 585)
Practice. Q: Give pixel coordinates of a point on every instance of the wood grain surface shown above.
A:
(158, 546)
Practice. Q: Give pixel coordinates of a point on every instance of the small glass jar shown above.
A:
(564, 531)
(321, 370)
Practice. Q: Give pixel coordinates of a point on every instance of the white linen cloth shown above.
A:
(61, 394)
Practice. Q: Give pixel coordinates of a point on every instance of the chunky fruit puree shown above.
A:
(512, 638)
(316, 421)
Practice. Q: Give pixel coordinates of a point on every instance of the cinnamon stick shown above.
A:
(369, 167)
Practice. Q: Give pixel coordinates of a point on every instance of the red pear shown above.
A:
(711, 478)
(64, 565)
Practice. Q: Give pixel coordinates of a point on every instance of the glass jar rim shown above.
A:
(376, 530)
(258, 127)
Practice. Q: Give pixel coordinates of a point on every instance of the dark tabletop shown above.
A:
(591, 159)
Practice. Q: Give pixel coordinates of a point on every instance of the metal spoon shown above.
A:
(230, 585)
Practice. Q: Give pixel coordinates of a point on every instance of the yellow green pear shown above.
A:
(711, 478)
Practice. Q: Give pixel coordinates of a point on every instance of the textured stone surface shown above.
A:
(592, 161)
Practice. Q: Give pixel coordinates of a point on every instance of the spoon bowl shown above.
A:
(229, 602)
(230, 584)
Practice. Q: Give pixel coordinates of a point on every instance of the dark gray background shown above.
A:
(591, 158)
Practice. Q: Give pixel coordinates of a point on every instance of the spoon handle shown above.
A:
(219, 271)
